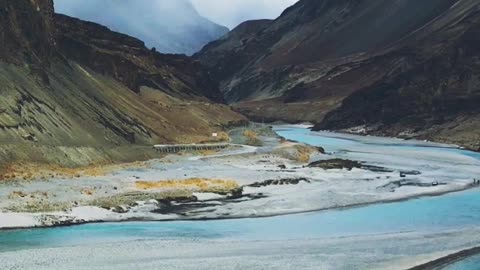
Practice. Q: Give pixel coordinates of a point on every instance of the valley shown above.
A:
(393, 68)
(344, 134)
(405, 227)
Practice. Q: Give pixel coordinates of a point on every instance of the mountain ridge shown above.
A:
(75, 93)
(318, 56)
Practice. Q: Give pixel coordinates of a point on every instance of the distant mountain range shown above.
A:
(404, 68)
(169, 26)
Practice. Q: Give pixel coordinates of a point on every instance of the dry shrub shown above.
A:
(88, 191)
(32, 171)
(250, 134)
(252, 138)
(21, 194)
(304, 152)
(208, 152)
(196, 184)
(17, 194)
(39, 206)
(297, 152)
(223, 137)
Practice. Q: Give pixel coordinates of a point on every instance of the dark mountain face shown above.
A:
(129, 61)
(29, 40)
(169, 26)
(436, 95)
(76, 93)
(402, 66)
(309, 33)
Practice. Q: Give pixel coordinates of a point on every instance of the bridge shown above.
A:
(176, 148)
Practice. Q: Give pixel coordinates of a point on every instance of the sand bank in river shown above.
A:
(273, 180)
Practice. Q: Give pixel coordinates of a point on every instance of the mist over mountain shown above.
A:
(231, 13)
(169, 26)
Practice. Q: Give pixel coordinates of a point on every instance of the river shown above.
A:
(429, 216)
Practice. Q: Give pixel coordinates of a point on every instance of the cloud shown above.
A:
(232, 12)
(173, 26)
(229, 13)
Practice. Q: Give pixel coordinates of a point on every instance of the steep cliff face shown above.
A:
(309, 40)
(129, 61)
(76, 93)
(169, 26)
(435, 96)
(22, 40)
(360, 62)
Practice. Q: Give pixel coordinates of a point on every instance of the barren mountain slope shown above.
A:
(75, 93)
(303, 65)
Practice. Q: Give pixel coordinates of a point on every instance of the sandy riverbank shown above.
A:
(273, 179)
(386, 252)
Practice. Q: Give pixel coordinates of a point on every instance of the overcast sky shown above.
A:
(232, 12)
(229, 13)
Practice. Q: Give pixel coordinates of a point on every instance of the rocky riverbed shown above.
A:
(275, 177)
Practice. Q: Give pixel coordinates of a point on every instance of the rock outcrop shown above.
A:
(29, 40)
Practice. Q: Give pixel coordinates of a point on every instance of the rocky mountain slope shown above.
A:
(389, 67)
(169, 26)
(75, 93)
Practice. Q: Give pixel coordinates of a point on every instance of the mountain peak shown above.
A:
(169, 26)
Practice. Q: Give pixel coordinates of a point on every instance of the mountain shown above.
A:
(76, 93)
(388, 67)
(169, 26)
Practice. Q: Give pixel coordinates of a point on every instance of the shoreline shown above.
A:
(358, 188)
(448, 260)
(446, 143)
(153, 220)
(275, 185)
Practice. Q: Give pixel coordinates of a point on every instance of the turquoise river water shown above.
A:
(451, 211)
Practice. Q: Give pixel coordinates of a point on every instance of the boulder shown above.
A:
(337, 163)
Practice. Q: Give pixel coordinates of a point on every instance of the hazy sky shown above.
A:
(232, 12)
(229, 13)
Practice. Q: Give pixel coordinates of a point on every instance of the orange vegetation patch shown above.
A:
(252, 138)
(296, 152)
(34, 171)
(250, 134)
(208, 152)
(304, 153)
(33, 195)
(88, 191)
(222, 137)
(196, 184)
(17, 194)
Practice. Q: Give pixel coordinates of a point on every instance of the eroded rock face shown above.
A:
(26, 31)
